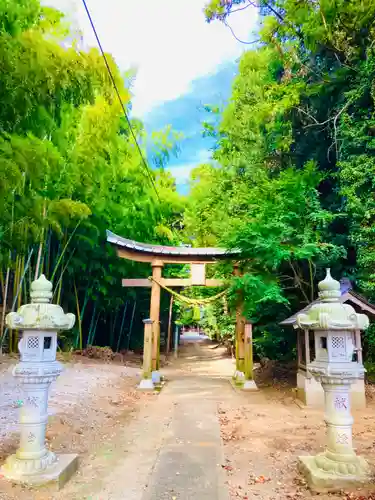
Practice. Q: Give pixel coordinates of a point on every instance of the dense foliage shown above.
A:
(69, 170)
(294, 189)
(291, 187)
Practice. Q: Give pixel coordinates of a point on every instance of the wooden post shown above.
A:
(147, 349)
(248, 351)
(176, 338)
(225, 305)
(307, 352)
(146, 382)
(358, 345)
(240, 330)
(307, 346)
(299, 352)
(157, 267)
(249, 383)
(169, 326)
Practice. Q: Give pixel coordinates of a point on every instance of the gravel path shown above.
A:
(77, 381)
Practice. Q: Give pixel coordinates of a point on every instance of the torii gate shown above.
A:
(198, 258)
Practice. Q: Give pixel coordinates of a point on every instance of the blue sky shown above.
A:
(182, 62)
(186, 114)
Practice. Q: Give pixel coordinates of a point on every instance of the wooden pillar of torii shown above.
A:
(158, 256)
(157, 269)
(243, 376)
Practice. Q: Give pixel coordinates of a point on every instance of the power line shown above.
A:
(149, 174)
(236, 37)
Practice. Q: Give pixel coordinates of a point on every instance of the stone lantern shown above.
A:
(334, 325)
(33, 463)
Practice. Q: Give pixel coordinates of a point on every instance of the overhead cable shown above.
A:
(149, 174)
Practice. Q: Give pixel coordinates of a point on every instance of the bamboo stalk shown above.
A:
(169, 337)
(41, 243)
(30, 278)
(39, 256)
(15, 298)
(94, 331)
(5, 300)
(59, 288)
(15, 284)
(63, 251)
(21, 273)
(79, 318)
(59, 283)
(91, 324)
(48, 253)
(19, 300)
(3, 333)
(131, 324)
(110, 330)
(85, 302)
(311, 281)
(25, 287)
(113, 329)
(122, 326)
(2, 284)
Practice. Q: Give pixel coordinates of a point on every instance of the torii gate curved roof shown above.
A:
(145, 252)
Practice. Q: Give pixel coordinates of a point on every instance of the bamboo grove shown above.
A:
(69, 170)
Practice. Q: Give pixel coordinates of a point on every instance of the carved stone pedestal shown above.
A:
(338, 467)
(59, 470)
(322, 481)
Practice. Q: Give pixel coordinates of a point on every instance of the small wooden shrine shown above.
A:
(309, 391)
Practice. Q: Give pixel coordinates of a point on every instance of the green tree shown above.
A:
(291, 145)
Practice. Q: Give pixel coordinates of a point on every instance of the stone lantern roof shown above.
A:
(329, 313)
(40, 314)
(359, 302)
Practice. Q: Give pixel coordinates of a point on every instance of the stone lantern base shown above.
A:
(325, 475)
(55, 475)
(250, 385)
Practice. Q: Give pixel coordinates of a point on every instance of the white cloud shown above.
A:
(203, 156)
(167, 40)
(182, 172)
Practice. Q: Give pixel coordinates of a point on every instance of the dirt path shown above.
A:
(264, 433)
(134, 446)
(173, 450)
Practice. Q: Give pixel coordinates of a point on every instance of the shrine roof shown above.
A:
(347, 295)
(160, 251)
